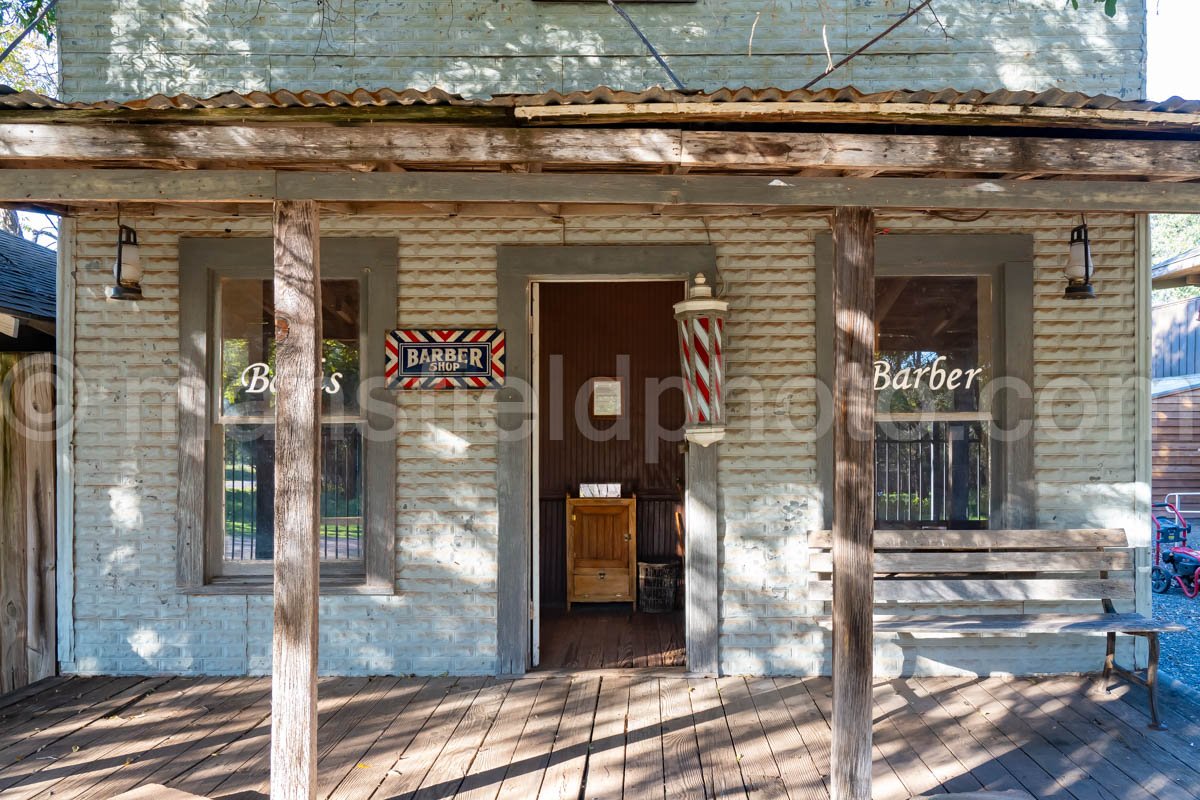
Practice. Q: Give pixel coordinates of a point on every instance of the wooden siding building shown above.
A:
(1175, 390)
(873, 300)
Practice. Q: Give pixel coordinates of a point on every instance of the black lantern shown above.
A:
(1080, 268)
(127, 269)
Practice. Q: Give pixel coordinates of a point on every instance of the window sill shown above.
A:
(263, 584)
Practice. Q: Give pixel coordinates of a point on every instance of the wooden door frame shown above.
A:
(519, 267)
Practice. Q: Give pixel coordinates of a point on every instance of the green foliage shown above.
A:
(1110, 6)
(19, 13)
(1172, 234)
(33, 65)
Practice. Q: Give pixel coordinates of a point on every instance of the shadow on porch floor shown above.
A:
(594, 736)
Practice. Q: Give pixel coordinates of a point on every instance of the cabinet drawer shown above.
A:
(602, 584)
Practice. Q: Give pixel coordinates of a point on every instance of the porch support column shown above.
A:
(853, 502)
(297, 487)
(700, 552)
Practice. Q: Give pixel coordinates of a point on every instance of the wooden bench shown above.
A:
(1013, 575)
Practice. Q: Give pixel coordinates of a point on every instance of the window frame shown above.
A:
(203, 263)
(1008, 260)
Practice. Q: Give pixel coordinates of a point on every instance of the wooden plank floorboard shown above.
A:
(137, 730)
(372, 766)
(1131, 751)
(617, 735)
(89, 745)
(760, 772)
(1111, 714)
(901, 753)
(1121, 771)
(984, 770)
(886, 784)
(404, 778)
(1032, 776)
(24, 732)
(606, 761)
(70, 735)
(802, 778)
(808, 722)
(644, 767)
(486, 772)
(346, 756)
(336, 741)
(523, 778)
(179, 751)
(950, 773)
(719, 766)
(452, 764)
(250, 736)
(1045, 745)
(563, 778)
(681, 750)
(45, 686)
(253, 779)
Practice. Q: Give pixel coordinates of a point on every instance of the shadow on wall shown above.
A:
(131, 619)
(482, 47)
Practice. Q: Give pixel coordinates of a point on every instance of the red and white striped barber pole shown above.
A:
(702, 357)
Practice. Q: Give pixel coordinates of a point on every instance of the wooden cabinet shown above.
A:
(601, 550)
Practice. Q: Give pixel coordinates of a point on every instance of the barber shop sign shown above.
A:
(445, 359)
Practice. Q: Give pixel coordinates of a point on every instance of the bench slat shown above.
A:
(928, 562)
(1082, 538)
(1035, 623)
(968, 591)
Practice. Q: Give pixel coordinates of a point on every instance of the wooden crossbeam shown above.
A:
(77, 187)
(529, 150)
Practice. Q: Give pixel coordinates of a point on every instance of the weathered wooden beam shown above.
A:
(344, 145)
(72, 187)
(366, 148)
(674, 190)
(963, 114)
(926, 153)
(129, 185)
(854, 501)
(297, 491)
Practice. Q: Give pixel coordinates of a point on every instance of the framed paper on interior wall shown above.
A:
(459, 358)
(607, 394)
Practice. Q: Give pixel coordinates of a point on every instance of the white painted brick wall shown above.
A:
(129, 618)
(481, 47)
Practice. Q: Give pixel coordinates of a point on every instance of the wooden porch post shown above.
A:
(853, 502)
(297, 490)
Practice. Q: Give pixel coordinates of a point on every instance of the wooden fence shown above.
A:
(27, 535)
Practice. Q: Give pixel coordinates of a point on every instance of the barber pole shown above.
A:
(701, 319)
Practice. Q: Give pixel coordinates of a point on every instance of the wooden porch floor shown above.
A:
(611, 636)
(599, 735)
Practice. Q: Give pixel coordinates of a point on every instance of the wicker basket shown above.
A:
(657, 583)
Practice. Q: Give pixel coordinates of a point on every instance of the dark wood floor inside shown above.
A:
(610, 636)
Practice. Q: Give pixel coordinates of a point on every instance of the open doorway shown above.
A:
(608, 570)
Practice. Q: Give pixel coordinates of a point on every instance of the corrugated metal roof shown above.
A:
(27, 275)
(1185, 263)
(362, 98)
(1161, 387)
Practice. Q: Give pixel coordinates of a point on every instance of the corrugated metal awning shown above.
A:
(603, 95)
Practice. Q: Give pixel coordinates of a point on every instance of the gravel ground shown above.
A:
(1180, 658)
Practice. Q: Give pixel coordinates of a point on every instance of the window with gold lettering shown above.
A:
(245, 421)
(933, 362)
